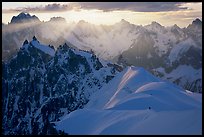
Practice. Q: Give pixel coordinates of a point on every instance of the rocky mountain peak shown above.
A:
(197, 21)
(57, 19)
(124, 21)
(24, 17)
(176, 26)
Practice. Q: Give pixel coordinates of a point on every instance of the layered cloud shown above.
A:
(167, 13)
(134, 6)
(104, 6)
(55, 7)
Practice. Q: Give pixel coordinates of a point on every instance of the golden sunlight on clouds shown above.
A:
(95, 16)
(194, 6)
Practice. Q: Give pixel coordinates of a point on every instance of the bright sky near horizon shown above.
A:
(140, 13)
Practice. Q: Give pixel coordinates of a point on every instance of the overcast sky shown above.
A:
(140, 13)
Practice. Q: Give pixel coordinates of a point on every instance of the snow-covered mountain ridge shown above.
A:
(138, 104)
(40, 85)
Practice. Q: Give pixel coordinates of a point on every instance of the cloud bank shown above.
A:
(104, 6)
(134, 6)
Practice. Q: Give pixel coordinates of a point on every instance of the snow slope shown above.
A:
(180, 48)
(43, 48)
(185, 71)
(135, 102)
(107, 122)
(124, 84)
(185, 74)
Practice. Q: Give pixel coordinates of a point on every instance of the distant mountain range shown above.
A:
(172, 53)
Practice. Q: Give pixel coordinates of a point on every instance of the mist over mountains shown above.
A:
(172, 53)
(80, 78)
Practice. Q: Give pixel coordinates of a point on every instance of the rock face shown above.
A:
(24, 17)
(39, 87)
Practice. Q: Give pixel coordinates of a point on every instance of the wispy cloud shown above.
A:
(104, 6)
(55, 7)
(182, 16)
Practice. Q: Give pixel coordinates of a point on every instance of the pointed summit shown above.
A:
(156, 24)
(25, 42)
(175, 27)
(65, 46)
(123, 21)
(34, 38)
(196, 26)
(197, 22)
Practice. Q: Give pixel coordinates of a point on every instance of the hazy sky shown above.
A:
(140, 13)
